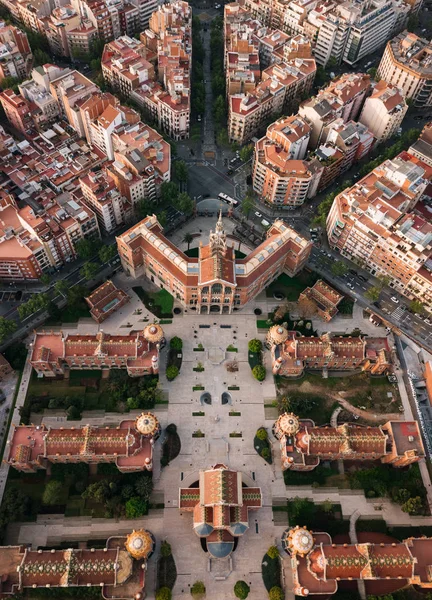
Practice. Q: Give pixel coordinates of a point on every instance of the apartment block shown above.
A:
(384, 110)
(407, 64)
(280, 175)
(376, 223)
(342, 98)
(216, 281)
(44, 107)
(124, 66)
(282, 85)
(15, 53)
(35, 242)
(102, 196)
(17, 110)
(69, 90)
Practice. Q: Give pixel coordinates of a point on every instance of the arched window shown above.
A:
(205, 290)
(216, 288)
(228, 290)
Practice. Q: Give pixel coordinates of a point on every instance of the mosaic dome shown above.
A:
(288, 424)
(278, 334)
(139, 544)
(147, 424)
(300, 540)
(153, 333)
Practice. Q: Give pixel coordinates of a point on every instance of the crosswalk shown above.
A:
(397, 314)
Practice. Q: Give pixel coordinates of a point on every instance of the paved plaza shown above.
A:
(214, 333)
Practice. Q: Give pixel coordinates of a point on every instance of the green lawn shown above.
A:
(291, 287)
(160, 303)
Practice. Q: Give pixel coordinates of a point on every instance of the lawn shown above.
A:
(319, 517)
(346, 306)
(317, 477)
(291, 287)
(160, 303)
(271, 571)
(360, 389)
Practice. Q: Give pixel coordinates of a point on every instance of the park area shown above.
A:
(315, 398)
(291, 287)
(87, 391)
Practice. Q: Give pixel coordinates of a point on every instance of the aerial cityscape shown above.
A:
(216, 299)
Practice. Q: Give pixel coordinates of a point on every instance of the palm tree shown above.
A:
(187, 239)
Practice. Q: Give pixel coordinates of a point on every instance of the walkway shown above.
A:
(21, 396)
(208, 130)
(368, 416)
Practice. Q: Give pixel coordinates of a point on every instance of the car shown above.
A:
(428, 321)
(394, 299)
(350, 285)
(199, 118)
(418, 118)
(377, 304)
(353, 272)
(258, 214)
(329, 255)
(362, 277)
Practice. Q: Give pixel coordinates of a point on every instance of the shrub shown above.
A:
(164, 461)
(165, 549)
(163, 593)
(171, 428)
(276, 593)
(273, 552)
(241, 590)
(53, 492)
(198, 589)
(172, 372)
(262, 434)
(259, 372)
(255, 345)
(135, 507)
(176, 343)
(265, 453)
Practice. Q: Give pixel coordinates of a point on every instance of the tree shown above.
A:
(416, 306)
(89, 271)
(86, 248)
(7, 327)
(171, 428)
(255, 345)
(339, 268)
(273, 552)
(219, 111)
(185, 203)
(163, 593)
(246, 152)
(373, 73)
(53, 493)
(75, 295)
(265, 453)
(145, 207)
(169, 192)
(98, 491)
(276, 593)
(180, 171)
(259, 372)
(144, 486)
(331, 63)
(413, 22)
(188, 239)
(198, 589)
(281, 311)
(373, 293)
(262, 434)
(11, 83)
(54, 312)
(132, 403)
(162, 218)
(413, 506)
(172, 372)
(40, 57)
(402, 495)
(241, 590)
(45, 278)
(306, 307)
(176, 343)
(135, 507)
(247, 205)
(61, 287)
(107, 253)
(165, 549)
(222, 138)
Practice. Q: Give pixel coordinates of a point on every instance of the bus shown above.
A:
(228, 200)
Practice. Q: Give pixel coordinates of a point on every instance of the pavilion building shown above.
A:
(129, 446)
(220, 507)
(304, 445)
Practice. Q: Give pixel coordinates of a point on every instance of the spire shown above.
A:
(218, 238)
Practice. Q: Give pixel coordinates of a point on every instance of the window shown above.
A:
(216, 288)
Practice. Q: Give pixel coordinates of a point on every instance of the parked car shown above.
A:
(258, 214)
(394, 299)
(350, 285)
(353, 272)
(362, 277)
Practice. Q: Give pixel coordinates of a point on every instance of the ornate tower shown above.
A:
(217, 239)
